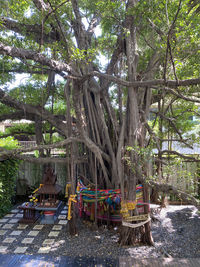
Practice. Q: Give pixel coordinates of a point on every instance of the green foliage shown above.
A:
(30, 94)
(8, 143)
(52, 139)
(111, 12)
(17, 128)
(36, 153)
(59, 107)
(106, 43)
(8, 170)
(153, 20)
(180, 116)
(6, 109)
(5, 66)
(84, 56)
(143, 155)
(181, 172)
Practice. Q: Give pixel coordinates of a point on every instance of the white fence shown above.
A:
(27, 144)
(184, 176)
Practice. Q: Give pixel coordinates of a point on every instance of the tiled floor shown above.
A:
(29, 238)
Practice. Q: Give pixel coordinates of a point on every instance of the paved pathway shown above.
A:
(29, 238)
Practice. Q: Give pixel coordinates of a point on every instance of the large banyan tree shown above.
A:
(94, 70)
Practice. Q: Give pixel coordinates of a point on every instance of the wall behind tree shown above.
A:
(29, 176)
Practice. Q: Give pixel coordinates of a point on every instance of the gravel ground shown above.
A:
(176, 232)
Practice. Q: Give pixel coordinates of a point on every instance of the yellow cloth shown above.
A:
(67, 190)
(37, 188)
(126, 206)
(70, 200)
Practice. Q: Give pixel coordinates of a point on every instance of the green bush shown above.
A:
(8, 171)
(8, 143)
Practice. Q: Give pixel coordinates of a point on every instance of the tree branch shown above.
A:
(42, 72)
(40, 4)
(173, 125)
(93, 24)
(58, 66)
(32, 30)
(166, 188)
(169, 45)
(18, 115)
(172, 152)
(179, 95)
(147, 83)
(61, 66)
(50, 160)
(17, 133)
(51, 10)
(58, 22)
(36, 110)
(156, 28)
(13, 153)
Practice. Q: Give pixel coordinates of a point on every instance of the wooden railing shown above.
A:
(27, 144)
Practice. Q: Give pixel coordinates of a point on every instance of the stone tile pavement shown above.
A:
(31, 238)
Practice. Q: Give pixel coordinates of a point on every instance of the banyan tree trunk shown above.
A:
(147, 236)
(72, 221)
(135, 137)
(70, 151)
(72, 224)
(140, 235)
